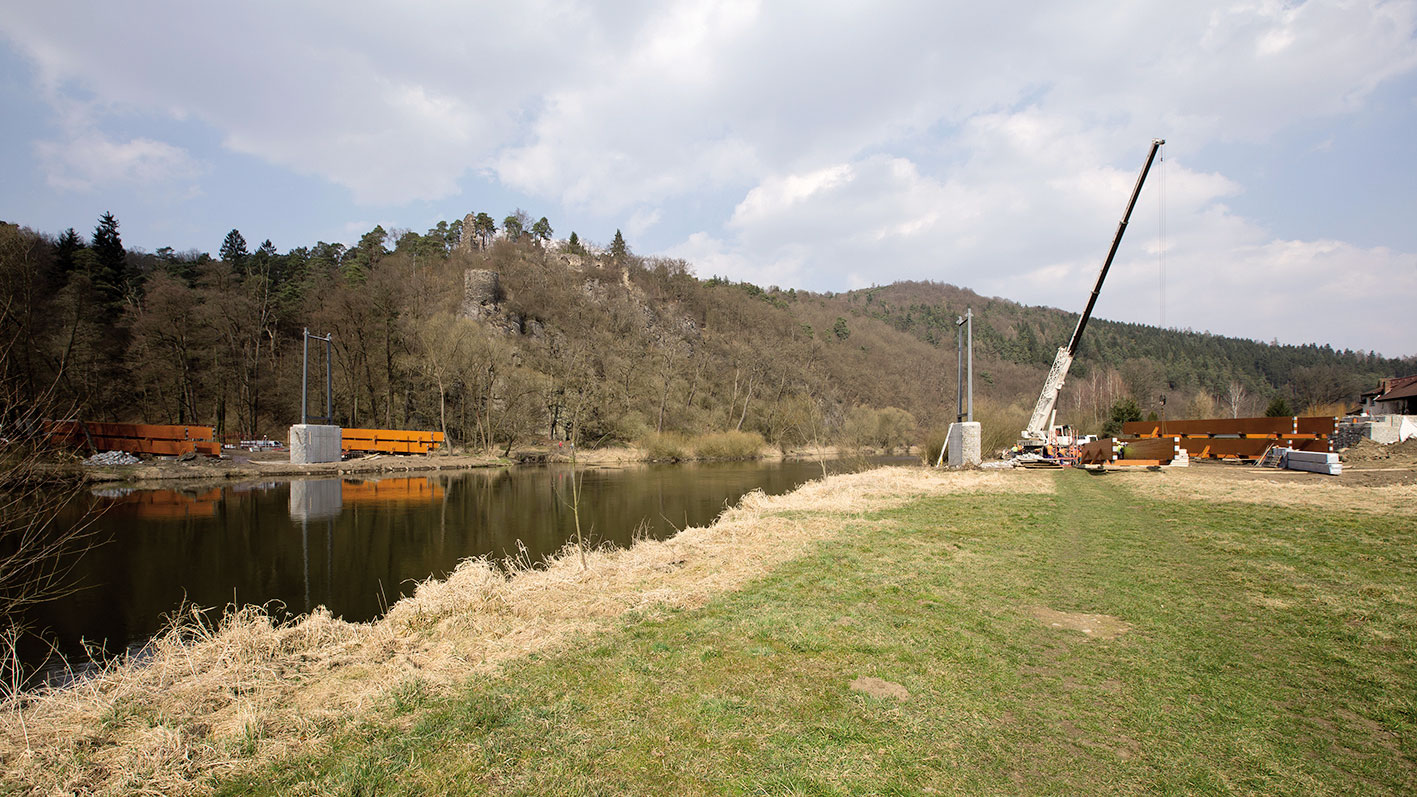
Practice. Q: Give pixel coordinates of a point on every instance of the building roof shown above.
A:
(1407, 390)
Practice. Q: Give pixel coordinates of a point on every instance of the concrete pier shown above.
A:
(964, 445)
(310, 444)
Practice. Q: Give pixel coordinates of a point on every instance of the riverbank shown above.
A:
(204, 702)
(899, 630)
(257, 466)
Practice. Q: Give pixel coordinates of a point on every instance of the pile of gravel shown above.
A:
(112, 458)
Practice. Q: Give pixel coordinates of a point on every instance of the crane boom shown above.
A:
(1036, 433)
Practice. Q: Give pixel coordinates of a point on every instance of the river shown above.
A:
(353, 545)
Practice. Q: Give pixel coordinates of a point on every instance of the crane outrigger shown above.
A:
(1040, 424)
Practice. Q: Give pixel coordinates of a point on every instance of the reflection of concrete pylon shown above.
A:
(311, 499)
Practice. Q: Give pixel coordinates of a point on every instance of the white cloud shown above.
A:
(1041, 241)
(816, 144)
(88, 159)
(642, 220)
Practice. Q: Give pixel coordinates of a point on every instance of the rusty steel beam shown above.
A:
(1211, 426)
(1243, 448)
(1158, 448)
(1317, 425)
(1098, 452)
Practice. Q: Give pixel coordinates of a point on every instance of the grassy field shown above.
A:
(1090, 641)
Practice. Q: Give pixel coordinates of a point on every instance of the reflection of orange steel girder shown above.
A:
(390, 441)
(413, 489)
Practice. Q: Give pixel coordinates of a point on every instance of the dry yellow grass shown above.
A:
(1223, 483)
(203, 702)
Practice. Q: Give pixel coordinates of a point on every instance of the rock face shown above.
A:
(481, 291)
(465, 244)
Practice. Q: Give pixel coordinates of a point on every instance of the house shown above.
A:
(1394, 396)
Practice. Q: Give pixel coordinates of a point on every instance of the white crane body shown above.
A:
(1037, 433)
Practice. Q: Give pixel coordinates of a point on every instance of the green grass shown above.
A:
(1270, 652)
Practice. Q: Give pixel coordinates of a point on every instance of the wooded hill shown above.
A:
(506, 337)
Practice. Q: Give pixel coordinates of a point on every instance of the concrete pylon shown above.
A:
(964, 445)
(310, 443)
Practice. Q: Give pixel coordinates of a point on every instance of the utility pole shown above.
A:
(305, 379)
(969, 323)
(959, 368)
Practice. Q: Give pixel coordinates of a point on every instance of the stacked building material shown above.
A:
(390, 441)
(1242, 438)
(134, 438)
(1136, 452)
(1314, 462)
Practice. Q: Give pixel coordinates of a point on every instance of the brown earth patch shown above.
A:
(875, 687)
(1093, 626)
(1404, 453)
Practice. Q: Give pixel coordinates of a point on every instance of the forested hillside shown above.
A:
(503, 336)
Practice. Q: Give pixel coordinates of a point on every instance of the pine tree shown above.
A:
(65, 249)
(512, 228)
(840, 329)
(110, 260)
(233, 250)
(618, 249)
(484, 228)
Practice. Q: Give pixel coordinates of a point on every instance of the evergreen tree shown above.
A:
(840, 329)
(1123, 411)
(512, 227)
(110, 260)
(483, 228)
(541, 230)
(233, 250)
(573, 244)
(618, 249)
(65, 249)
(363, 258)
(1278, 408)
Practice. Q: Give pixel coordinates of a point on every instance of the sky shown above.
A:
(819, 145)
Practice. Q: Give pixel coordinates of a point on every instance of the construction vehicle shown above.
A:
(1041, 436)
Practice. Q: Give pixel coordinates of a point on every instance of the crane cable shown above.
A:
(1161, 231)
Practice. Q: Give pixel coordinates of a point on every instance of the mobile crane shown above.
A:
(1040, 431)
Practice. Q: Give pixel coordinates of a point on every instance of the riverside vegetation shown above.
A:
(896, 631)
(503, 336)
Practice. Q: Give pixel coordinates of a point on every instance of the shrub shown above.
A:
(999, 424)
(667, 447)
(931, 443)
(1124, 411)
(1334, 408)
(729, 445)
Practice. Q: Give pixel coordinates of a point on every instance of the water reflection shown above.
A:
(165, 504)
(355, 546)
